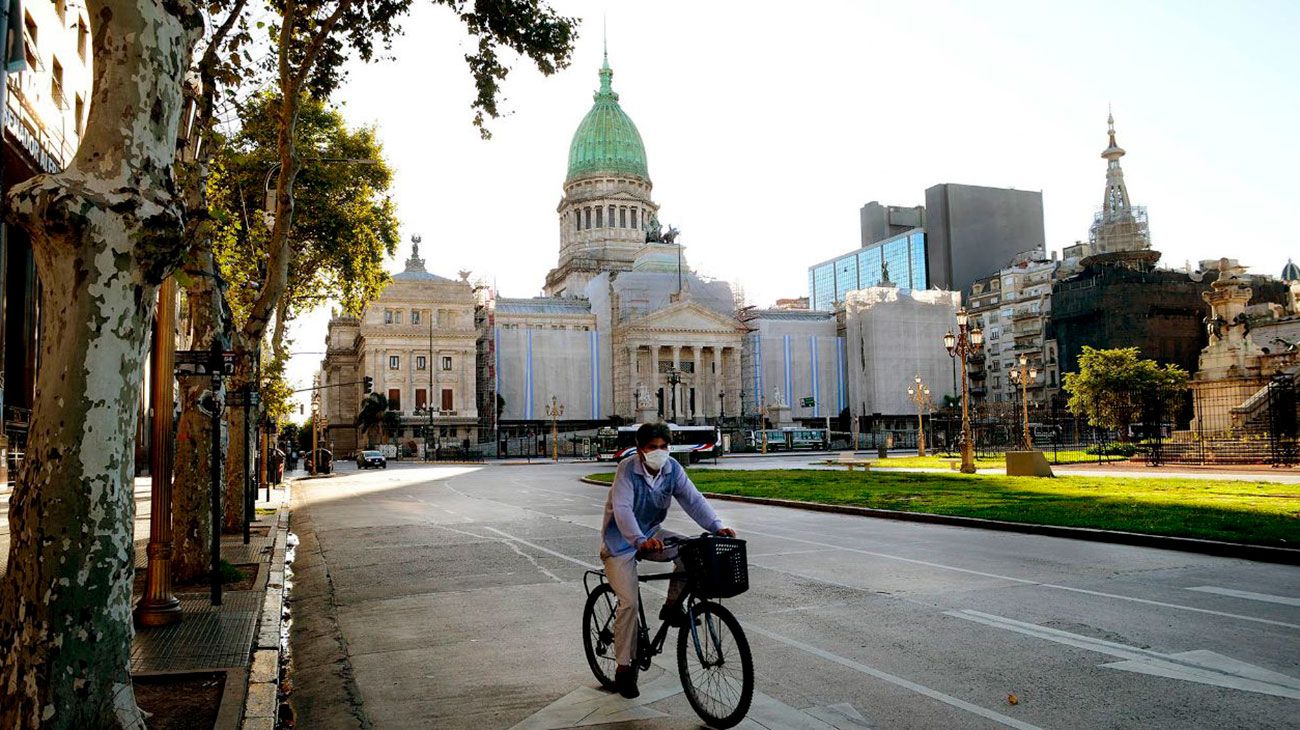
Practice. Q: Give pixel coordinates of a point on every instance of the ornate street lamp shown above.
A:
(554, 411)
(1023, 374)
(674, 380)
(966, 342)
(920, 394)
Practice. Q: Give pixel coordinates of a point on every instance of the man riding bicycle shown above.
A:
(638, 502)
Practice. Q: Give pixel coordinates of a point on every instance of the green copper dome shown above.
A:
(606, 141)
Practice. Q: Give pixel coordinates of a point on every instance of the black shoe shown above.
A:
(625, 682)
(673, 614)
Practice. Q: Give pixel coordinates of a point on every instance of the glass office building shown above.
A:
(901, 258)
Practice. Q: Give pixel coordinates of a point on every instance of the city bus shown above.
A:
(790, 439)
(701, 442)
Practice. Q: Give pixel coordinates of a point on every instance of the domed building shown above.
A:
(606, 206)
(620, 309)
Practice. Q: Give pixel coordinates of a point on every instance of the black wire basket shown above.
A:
(718, 566)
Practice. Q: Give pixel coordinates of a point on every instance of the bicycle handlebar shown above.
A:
(675, 541)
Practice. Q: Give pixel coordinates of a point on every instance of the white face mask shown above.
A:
(656, 459)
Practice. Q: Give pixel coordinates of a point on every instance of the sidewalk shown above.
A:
(235, 646)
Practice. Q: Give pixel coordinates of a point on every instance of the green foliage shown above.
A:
(1111, 386)
(392, 421)
(230, 573)
(276, 391)
(1236, 511)
(1112, 449)
(345, 223)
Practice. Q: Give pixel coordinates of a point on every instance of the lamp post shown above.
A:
(966, 342)
(674, 380)
(722, 395)
(1023, 373)
(555, 410)
(920, 394)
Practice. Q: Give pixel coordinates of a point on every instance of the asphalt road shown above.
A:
(451, 597)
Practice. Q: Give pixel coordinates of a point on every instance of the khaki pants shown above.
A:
(620, 571)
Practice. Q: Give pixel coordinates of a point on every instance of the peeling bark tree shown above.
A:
(105, 233)
(209, 318)
(191, 493)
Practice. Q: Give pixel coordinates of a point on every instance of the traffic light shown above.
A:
(368, 383)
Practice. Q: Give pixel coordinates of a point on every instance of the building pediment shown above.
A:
(686, 316)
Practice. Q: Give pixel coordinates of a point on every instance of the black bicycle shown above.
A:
(713, 658)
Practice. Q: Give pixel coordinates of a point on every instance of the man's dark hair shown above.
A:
(650, 431)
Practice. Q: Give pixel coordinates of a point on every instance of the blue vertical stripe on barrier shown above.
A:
(816, 390)
(789, 376)
(528, 378)
(594, 343)
(843, 397)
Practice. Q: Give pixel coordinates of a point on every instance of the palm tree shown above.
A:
(373, 408)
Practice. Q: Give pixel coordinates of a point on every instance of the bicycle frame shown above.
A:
(687, 599)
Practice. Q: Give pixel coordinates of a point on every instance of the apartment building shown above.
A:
(46, 84)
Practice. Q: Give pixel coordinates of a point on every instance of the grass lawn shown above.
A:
(997, 461)
(1237, 511)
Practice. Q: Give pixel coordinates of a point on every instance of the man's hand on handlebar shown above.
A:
(726, 532)
(650, 545)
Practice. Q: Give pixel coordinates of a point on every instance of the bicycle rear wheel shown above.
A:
(715, 665)
(598, 633)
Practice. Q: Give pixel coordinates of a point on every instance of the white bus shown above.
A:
(701, 442)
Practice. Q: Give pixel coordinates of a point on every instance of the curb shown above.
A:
(1263, 553)
(262, 703)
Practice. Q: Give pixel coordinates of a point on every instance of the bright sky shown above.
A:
(767, 126)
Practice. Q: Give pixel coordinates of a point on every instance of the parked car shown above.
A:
(325, 458)
(371, 460)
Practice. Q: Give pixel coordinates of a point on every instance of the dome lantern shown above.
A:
(606, 141)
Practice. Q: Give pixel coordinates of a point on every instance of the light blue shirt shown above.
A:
(638, 504)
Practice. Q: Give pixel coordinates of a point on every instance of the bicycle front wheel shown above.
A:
(715, 665)
(598, 633)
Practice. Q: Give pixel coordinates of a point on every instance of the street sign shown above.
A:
(236, 398)
(199, 362)
(807, 402)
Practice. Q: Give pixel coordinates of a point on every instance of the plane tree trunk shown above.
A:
(105, 232)
(191, 491)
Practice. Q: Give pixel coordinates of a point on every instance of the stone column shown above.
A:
(720, 383)
(675, 392)
(697, 380)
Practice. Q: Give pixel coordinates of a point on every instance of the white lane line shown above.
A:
(835, 658)
(1024, 581)
(896, 680)
(1200, 666)
(787, 552)
(1248, 595)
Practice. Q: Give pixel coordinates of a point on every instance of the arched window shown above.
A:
(622, 217)
(587, 213)
(600, 217)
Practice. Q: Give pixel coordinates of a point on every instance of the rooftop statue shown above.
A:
(653, 231)
(670, 235)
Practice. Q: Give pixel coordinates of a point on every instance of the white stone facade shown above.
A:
(602, 222)
(417, 342)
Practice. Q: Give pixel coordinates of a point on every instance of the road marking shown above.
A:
(1201, 666)
(786, 552)
(835, 658)
(1025, 581)
(590, 706)
(1265, 597)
